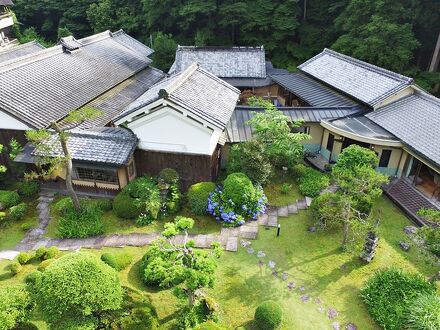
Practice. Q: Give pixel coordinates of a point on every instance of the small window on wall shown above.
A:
(131, 169)
(330, 142)
(385, 158)
(94, 174)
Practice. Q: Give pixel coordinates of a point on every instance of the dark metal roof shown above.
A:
(363, 81)
(47, 86)
(238, 130)
(106, 145)
(196, 90)
(224, 62)
(314, 93)
(11, 53)
(415, 120)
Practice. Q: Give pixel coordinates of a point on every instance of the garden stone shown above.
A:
(272, 211)
(271, 264)
(410, 230)
(284, 276)
(302, 288)
(245, 243)
(336, 326)
(321, 309)
(332, 313)
(404, 245)
(292, 209)
(283, 211)
(312, 229)
(250, 250)
(263, 219)
(301, 204)
(261, 254)
(232, 244)
(291, 285)
(305, 298)
(260, 263)
(318, 301)
(309, 201)
(351, 326)
(275, 273)
(272, 221)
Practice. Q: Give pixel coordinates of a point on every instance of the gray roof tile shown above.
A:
(415, 120)
(363, 81)
(14, 52)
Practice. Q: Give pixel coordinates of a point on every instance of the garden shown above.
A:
(317, 270)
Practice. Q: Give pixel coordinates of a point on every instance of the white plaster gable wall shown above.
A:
(9, 122)
(169, 130)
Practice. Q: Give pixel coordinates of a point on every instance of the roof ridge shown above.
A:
(30, 58)
(221, 48)
(181, 78)
(101, 135)
(221, 81)
(21, 46)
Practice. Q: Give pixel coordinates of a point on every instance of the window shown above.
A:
(95, 174)
(301, 129)
(385, 158)
(131, 169)
(330, 142)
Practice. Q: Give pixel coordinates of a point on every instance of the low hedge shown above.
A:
(118, 261)
(312, 182)
(44, 264)
(388, 293)
(24, 257)
(424, 313)
(125, 206)
(87, 222)
(169, 175)
(15, 267)
(8, 199)
(140, 318)
(28, 188)
(51, 253)
(198, 196)
(17, 212)
(268, 315)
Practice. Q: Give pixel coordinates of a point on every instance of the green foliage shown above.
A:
(388, 294)
(169, 175)
(77, 286)
(251, 159)
(286, 188)
(299, 170)
(118, 261)
(17, 212)
(238, 188)
(140, 318)
(164, 51)
(87, 222)
(210, 325)
(268, 315)
(8, 199)
(198, 196)
(24, 257)
(431, 215)
(430, 238)
(40, 252)
(28, 188)
(15, 267)
(15, 306)
(44, 264)
(125, 206)
(3, 168)
(423, 313)
(51, 253)
(356, 156)
(313, 182)
(326, 209)
(104, 204)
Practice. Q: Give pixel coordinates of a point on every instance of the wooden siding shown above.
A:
(191, 168)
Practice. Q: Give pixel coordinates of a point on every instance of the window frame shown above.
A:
(79, 173)
(387, 153)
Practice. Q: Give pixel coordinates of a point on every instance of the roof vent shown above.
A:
(70, 44)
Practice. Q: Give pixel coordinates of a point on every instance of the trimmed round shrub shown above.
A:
(140, 318)
(299, 170)
(198, 195)
(169, 175)
(24, 257)
(17, 212)
(76, 286)
(125, 206)
(423, 313)
(118, 261)
(51, 253)
(313, 182)
(85, 223)
(44, 264)
(26, 226)
(15, 267)
(40, 252)
(104, 204)
(33, 280)
(15, 306)
(325, 210)
(28, 188)
(389, 292)
(239, 188)
(8, 199)
(268, 315)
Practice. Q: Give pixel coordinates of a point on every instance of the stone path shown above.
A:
(271, 218)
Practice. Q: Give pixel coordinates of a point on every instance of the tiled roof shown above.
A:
(314, 93)
(415, 120)
(196, 90)
(46, 87)
(6, 3)
(233, 62)
(106, 145)
(360, 80)
(14, 52)
(238, 130)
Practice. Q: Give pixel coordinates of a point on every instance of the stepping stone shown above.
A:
(272, 211)
(292, 209)
(284, 276)
(275, 273)
(232, 244)
(250, 250)
(261, 254)
(351, 326)
(9, 254)
(283, 211)
(318, 301)
(262, 219)
(336, 326)
(271, 264)
(309, 201)
(332, 313)
(249, 232)
(301, 204)
(234, 232)
(302, 288)
(305, 298)
(273, 221)
(244, 243)
(321, 309)
(200, 241)
(291, 285)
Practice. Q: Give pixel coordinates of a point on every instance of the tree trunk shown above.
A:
(69, 185)
(345, 235)
(191, 298)
(433, 66)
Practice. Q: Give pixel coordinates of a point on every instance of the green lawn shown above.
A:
(311, 259)
(274, 194)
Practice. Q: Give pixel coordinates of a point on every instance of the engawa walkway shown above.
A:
(228, 237)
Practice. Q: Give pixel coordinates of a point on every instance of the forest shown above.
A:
(399, 35)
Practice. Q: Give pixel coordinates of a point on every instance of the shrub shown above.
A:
(118, 261)
(26, 326)
(431, 239)
(388, 292)
(251, 159)
(15, 306)
(299, 170)
(87, 222)
(17, 212)
(431, 215)
(125, 206)
(15, 267)
(286, 188)
(51, 253)
(40, 252)
(238, 188)
(104, 204)
(8, 199)
(325, 210)
(2, 217)
(24, 257)
(210, 325)
(198, 195)
(313, 182)
(63, 205)
(423, 313)
(140, 318)
(25, 226)
(33, 281)
(169, 175)
(43, 265)
(268, 315)
(354, 156)
(28, 188)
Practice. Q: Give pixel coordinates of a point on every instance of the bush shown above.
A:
(104, 204)
(251, 159)
(28, 188)
(286, 188)
(87, 222)
(169, 175)
(15, 306)
(388, 293)
(125, 206)
(51, 253)
(325, 210)
(17, 212)
(354, 156)
(15, 267)
(238, 188)
(118, 261)
(268, 315)
(43, 265)
(8, 199)
(140, 318)
(25, 226)
(40, 252)
(423, 313)
(24, 257)
(313, 182)
(299, 170)
(63, 205)
(33, 280)
(198, 195)
(210, 325)
(26, 326)
(2, 217)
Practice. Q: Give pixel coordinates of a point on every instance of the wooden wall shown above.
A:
(191, 168)
(5, 137)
